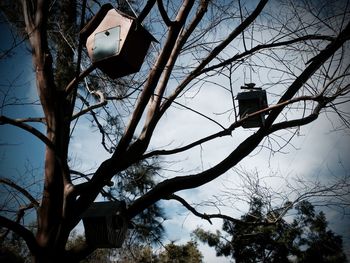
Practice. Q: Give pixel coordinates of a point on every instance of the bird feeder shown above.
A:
(252, 101)
(116, 43)
(105, 224)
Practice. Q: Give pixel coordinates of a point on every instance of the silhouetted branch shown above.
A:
(23, 232)
(163, 13)
(102, 103)
(21, 190)
(76, 80)
(214, 53)
(201, 215)
(28, 128)
(146, 10)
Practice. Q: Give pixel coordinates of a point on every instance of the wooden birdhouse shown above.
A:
(116, 43)
(252, 101)
(105, 224)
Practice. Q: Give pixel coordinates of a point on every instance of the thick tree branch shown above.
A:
(315, 64)
(169, 186)
(88, 191)
(19, 216)
(28, 128)
(40, 14)
(228, 131)
(153, 115)
(214, 53)
(262, 47)
(154, 77)
(294, 123)
(27, 235)
(173, 185)
(28, 14)
(163, 13)
(148, 7)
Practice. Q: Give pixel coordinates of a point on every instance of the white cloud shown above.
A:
(86, 150)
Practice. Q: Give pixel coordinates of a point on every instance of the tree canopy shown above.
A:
(306, 238)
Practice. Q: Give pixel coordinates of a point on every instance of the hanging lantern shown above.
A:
(116, 43)
(252, 101)
(105, 224)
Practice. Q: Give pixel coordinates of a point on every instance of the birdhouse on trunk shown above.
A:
(116, 43)
(252, 101)
(105, 224)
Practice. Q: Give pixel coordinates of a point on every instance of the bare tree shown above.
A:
(298, 50)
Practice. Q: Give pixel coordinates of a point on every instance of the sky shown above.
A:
(316, 154)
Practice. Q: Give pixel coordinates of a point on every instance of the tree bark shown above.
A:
(53, 224)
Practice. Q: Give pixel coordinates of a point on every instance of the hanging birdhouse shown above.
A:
(116, 43)
(105, 224)
(252, 101)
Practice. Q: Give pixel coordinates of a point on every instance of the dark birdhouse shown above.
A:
(116, 43)
(105, 224)
(252, 101)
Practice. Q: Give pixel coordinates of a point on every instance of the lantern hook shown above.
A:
(250, 86)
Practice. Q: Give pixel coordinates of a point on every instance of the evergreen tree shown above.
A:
(253, 239)
(187, 253)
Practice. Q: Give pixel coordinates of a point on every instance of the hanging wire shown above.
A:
(251, 46)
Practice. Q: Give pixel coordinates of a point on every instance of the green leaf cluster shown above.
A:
(257, 239)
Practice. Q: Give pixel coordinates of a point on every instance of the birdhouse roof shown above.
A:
(102, 209)
(253, 94)
(90, 27)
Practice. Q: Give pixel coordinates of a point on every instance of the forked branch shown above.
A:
(21, 190)
(222, 216)
(228, 131)
(214, 53)
(100, 104)
(170, 186)
(201, 215)
(163, 13)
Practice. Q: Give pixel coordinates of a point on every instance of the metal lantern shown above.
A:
(105, 224)
(116, 43)
(252, 101)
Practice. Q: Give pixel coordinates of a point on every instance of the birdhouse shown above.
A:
(116, 43)
(252, 101)
(105, 224)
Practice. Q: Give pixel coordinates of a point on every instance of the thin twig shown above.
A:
(102, 103)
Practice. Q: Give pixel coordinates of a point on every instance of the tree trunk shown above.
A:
(53, 230)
